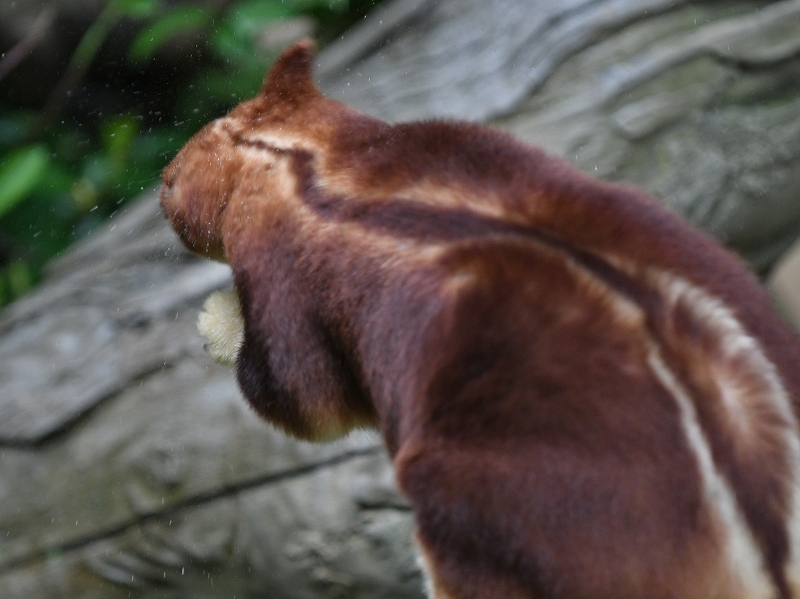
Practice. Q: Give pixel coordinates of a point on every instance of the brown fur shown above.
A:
(548, 357)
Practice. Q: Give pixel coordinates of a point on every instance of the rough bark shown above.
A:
(129, 461)
(699, 103)
(130, 465)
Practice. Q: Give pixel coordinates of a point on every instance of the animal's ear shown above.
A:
(290, 78)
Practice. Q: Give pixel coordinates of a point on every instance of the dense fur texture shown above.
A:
(583, 396)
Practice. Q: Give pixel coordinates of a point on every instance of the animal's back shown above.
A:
(622, 362)
(573, 445)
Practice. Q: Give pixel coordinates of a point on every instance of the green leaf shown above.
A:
(233, 39)
(229, 45)
(180, 20)
(84, 191)
(248, 18)
(20, 173)
(118, 134)
(57, 180)
(19, 276)
(98, 173)
(138, 9)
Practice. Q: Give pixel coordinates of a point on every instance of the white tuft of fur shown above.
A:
(222, 325)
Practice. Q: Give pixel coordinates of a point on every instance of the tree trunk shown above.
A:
(129, 464)
(699, 103)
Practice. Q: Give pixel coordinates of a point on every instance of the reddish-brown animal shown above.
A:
(583, 396)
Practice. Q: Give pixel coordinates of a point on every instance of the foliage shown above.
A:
(60, 177)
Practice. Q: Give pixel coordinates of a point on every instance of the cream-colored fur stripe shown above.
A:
(278, 142)
(738, 347)
(734, 341)
(744, 556)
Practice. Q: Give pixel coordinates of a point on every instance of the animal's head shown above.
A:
(224, 160)
(235, 192)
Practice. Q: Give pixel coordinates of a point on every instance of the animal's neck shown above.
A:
(384, 301)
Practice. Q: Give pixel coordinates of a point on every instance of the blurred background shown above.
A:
(96, 96)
